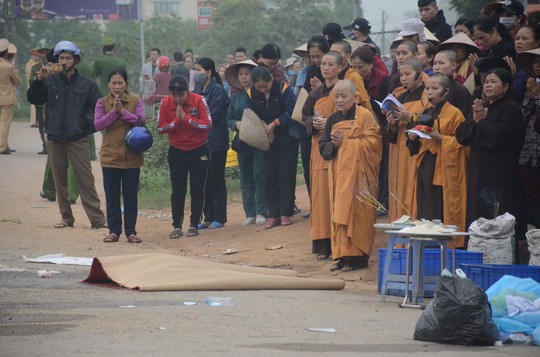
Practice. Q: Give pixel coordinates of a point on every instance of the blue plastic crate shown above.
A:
(432, 265)
(486, 275)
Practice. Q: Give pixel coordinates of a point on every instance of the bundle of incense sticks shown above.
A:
(366, 197)
(401, 204)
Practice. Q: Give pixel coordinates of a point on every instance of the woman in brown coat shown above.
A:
(115, 115)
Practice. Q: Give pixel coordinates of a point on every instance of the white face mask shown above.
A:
(508, 21)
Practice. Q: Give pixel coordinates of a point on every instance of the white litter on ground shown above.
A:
(60, 259)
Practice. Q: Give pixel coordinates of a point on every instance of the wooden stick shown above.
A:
(401, 204)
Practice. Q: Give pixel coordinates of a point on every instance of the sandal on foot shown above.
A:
(348, 268)
(272, 222)
(286, 221)
(63, 225)
(176, 233)
(111, 238)
(216, 225)
(323, 256)
(204, 225)
(192, 232)
(338, 266)
(134, 239)
(100, 226)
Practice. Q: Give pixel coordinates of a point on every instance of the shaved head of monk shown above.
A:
(344, 95)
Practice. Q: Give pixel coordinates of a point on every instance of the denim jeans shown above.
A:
(121, 184)
(215, 190)
(251, 166)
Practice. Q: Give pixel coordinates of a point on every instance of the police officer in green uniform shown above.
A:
(106, 64)
(87, 68)
(40, 53)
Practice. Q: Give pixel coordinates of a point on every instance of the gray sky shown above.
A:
(397, 12)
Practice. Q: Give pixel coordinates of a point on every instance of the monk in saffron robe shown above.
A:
(347, 72)
(317, 109)
(438, 188)
(399, 120)
(351, 141)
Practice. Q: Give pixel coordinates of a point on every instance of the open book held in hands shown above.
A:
(389, 103)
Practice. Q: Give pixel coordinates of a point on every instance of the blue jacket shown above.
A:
(218, 103)
(70, 105)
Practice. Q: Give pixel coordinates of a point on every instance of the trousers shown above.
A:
(181, 164)
(76, 151)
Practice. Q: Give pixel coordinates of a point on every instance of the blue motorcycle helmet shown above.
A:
(139, 139)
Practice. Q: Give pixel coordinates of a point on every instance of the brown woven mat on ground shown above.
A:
(166, 272)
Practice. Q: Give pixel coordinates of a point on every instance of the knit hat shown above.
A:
(412, 27)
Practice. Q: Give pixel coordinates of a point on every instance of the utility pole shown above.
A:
(141, 29)
(9, 20)
(383, 30)
(355, 7)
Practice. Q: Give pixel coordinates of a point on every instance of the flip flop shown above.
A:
(111, 238)
(63, 225)
(216, 225)
(176, 233)
(338, 266)
(134, 239)
(204, 225)
(192, 232)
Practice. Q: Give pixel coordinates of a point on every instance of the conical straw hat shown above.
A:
(253, 131)
(526, 59)
(301, 50)
(460, 39)
(231, 73)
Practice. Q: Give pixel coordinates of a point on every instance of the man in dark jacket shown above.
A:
(434, 19)
(71, 99)
(179, 68)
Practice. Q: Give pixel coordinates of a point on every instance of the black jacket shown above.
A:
(217, 101)
(70, 105)
(439, 27)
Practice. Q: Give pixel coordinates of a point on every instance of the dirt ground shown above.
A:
(60, 316)
(25, 214)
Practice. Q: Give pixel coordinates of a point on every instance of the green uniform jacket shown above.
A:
(103, 66)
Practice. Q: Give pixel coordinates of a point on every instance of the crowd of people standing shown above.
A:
(463, 143)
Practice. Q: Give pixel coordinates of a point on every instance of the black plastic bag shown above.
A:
(460, 314)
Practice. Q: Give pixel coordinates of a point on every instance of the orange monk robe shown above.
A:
(361, 92)
(320, 194)
(450, 169)
(354, 168)
(400, 90)
(399, 164)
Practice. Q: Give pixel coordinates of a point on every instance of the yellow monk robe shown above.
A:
(399, 163)
(400, 90)
(355, 167)
(320, 194)
(361, 92)
(450, 169)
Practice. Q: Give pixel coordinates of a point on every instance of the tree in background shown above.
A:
(468, 8)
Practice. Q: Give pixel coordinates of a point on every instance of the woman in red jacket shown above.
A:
(185, 117)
